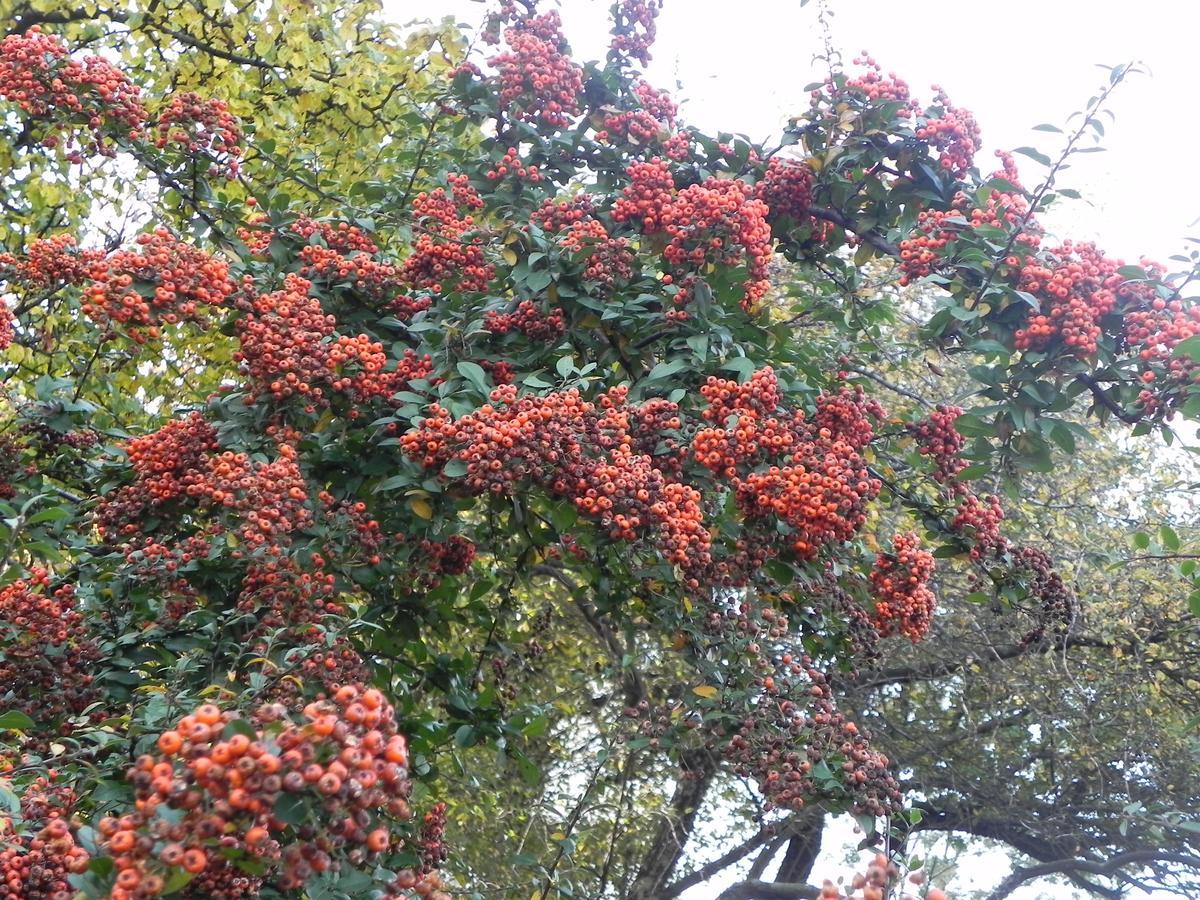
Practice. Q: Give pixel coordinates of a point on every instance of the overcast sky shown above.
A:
(742, 65)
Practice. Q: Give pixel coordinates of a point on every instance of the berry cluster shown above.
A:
(653, 114)
(212, 794)
(201, 127)
(539, 83)
(278, 595)
(938, 439)
(164, 281)
(979, 519)
(529, 320)
(50, 654)
(288, 348)
(49, 263)
(796, 726)
(68, 95)
(511, 165)
(607, 260)
(904, 603)
(37, 866)
(445, 251)
(953, 132)
(716, 222)
(577, 449)
(634, 28)
(555, 215)
(936, 239)
(876, 87)
(265, 500)
(1076, 287)
(807, 476)
(786, 189)
(1055, 600)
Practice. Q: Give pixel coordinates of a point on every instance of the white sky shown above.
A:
(741, 66)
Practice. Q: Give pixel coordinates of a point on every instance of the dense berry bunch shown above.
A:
(716, 222)
(904, 602)
(284, 342)
(201, 127)
(874, 86)
(49, 263)
(847, 415)
(557, 214)
(653, 113)
(37, 860)
(164, 281)
(953, 132)
(288, 348)
(265, 500)
(1076, 287)
(212, 793)
(796, 727)
(50, 653)
(38, 866)
(938, 439)
(979, 519)
(649, 193)
(67, 95)
(634, 28)
(1055, 610)
(277, 595)
(786, 189)
(539, 82)
(577, 449)
(163, 460)
(445, 252)
(607, 260)
(373, 278)
(529, 320)
(758, 396)
(808, 476)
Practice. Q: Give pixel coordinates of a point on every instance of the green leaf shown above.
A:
(475, 376)
(666, 369)
(177, 880)
(1168, 538)
(1189, 348)
(15, 720)
(1035, 155)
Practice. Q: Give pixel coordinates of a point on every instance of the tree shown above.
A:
(481, 397)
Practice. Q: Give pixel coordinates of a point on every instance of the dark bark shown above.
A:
(802, 851)
(770, 890)
(666, 847)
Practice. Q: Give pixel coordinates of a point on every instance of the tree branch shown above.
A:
(770, 890)
(1110, 868)
(867, 236)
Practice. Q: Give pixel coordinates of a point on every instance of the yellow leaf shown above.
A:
(558, 836)
(705, 691)
(421, 507)
(510, 256)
